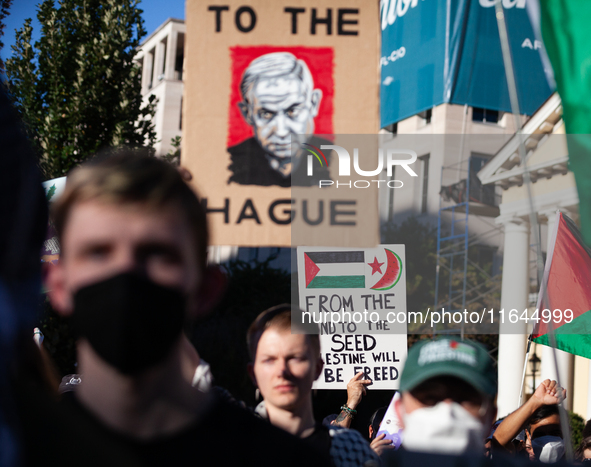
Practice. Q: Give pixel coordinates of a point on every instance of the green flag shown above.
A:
(566, 30)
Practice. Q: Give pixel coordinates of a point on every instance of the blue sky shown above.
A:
(155, 13)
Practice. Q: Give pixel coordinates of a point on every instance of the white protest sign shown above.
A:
(357, 298)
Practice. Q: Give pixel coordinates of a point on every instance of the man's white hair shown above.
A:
(272, 66)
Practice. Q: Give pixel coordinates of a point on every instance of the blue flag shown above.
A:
(449, 51)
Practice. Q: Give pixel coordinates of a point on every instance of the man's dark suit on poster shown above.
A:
(250, 165)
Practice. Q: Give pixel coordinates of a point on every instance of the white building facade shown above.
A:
(420, 196)
(161, 57)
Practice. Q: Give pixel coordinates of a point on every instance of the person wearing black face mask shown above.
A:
(132, 272)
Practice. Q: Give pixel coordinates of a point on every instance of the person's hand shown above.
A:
(548, 393)
(186, 175)
(356, 390)
(380, 444)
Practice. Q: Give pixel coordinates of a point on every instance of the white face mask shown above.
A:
(548, 449)
(203, 379)
(445, 428)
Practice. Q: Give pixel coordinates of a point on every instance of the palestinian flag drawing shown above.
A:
(340, 269)
(348, 269)
(567, 282)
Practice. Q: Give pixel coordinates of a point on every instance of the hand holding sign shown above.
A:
(380, 444)
(355, 392)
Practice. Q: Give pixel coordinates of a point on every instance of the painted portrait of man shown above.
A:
(279, 102)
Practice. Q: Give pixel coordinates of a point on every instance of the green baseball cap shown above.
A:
(449, 356)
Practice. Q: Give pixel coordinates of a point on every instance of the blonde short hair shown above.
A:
(129, 176)
(277, 317)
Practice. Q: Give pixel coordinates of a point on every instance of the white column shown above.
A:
(158, 62)
(514, 295)
(146, 72)
(564, 360)
(170, 54)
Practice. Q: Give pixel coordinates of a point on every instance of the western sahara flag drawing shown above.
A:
(567, 282)
(347, 270)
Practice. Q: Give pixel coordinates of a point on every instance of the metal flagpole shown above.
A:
(510, 74)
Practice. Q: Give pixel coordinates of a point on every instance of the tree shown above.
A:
(174, 155)
(78, 88)
(420, 241)
(4, 6)
(577, 424)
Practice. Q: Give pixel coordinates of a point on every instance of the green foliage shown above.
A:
(482, 289)
(577, 423)
(4, 6)
(78, 88)
(420, 242)
(174, 155)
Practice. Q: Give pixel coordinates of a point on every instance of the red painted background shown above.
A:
(319, 61)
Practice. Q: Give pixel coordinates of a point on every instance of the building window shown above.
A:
(424, 177)
(485, 194)
(485, 115)
(426, 116)
(152, 54)
(178, 62)
(162, 63)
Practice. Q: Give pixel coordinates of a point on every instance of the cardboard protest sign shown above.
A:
(356, 300)
(256, 77)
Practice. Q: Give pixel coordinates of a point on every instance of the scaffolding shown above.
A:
(458, 202)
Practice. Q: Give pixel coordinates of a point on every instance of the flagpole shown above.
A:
(544, 302)
(564, 423)
(511, 84)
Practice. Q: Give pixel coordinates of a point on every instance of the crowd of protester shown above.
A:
(132, 272)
